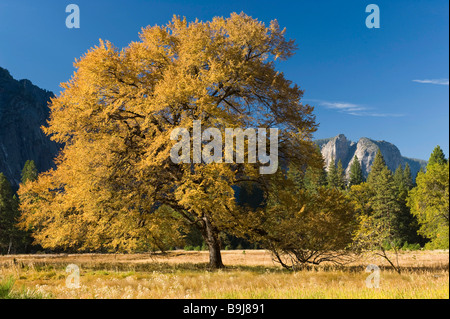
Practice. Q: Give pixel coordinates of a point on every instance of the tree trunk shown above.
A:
(211, 237)
(9, 247)
(385, 256)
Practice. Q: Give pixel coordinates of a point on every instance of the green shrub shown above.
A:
(6, 291)
(5, 287)
(407, 246)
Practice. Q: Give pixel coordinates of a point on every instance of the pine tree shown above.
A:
(387, 209)
(315, 176)
(385, 202)
(332, 175)
(437, 156)
(407, 177)
(323, 178)
(378, 230)
(342, 182)
(296, 176)
(399, 178)
(312, 177)
(406, 224)
(377, 166)
(356, 174)
(8, 215)
(29, 172)
(429, 200)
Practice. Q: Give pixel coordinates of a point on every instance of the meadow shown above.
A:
(249, 274)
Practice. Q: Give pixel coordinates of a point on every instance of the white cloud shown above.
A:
(353, 109)
(349, 107)
(434, 81)
(373, 114)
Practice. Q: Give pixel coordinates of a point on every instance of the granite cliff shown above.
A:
(341, 148)
(23, 110)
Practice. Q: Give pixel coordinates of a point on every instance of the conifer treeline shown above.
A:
(12, 238)
(414, 212)
(410, 213)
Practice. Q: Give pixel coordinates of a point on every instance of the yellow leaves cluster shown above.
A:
(308, 226)
(115, 186)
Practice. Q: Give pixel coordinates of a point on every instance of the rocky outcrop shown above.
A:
(340, 148)
(23, 110)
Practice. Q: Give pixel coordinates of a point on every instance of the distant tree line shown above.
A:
(388, 211)
(328, 215)
(14, 240)
(414, 210)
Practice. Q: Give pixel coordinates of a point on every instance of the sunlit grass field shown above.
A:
(249, 274)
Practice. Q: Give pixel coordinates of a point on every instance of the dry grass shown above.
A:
(253, 274)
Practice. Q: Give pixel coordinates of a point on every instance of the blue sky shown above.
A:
(387, 84)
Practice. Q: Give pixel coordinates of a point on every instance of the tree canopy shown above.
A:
(115, 186)
(9, 234)
(356, 175)
(429, 200)
(29, 172)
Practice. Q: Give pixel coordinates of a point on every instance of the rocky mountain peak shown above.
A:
(341, 148)
(338, 148)
(4, 74)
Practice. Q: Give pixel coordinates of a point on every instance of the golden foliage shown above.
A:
(115, 185)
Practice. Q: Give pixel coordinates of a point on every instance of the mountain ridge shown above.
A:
(341, 148)
(23, 110)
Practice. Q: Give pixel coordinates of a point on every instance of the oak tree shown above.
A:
(115, 183)
(306, 227)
